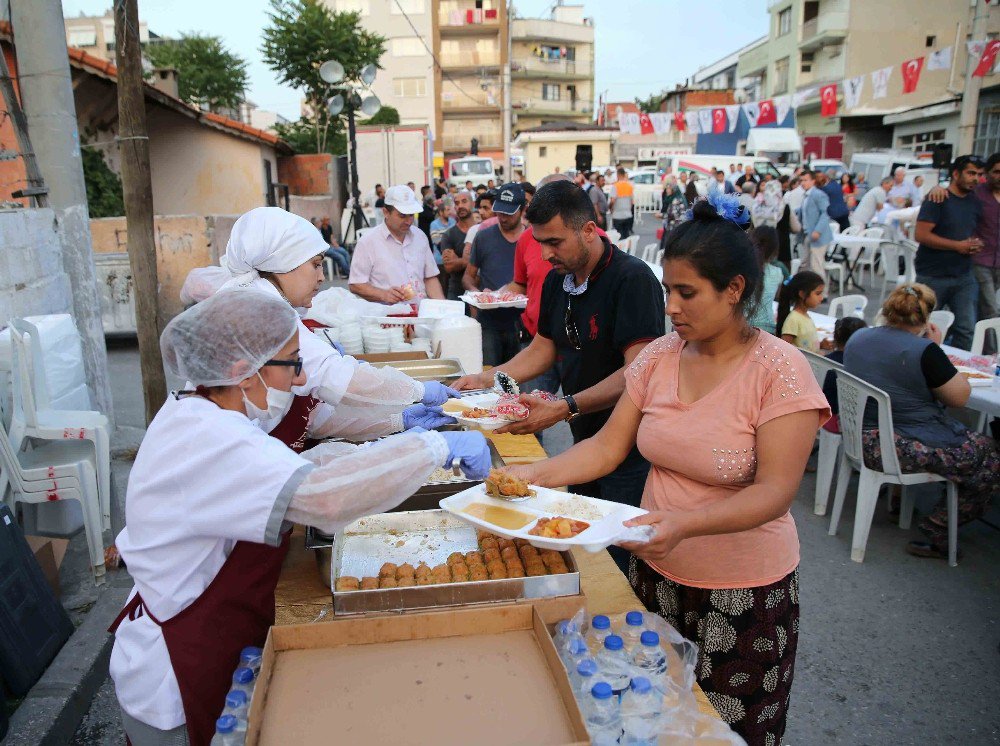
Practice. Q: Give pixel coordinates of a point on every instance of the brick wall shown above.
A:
(307, 175)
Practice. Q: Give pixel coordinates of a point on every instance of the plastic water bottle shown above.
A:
(600, 627)
(649, 660)
(243, 681)
(564, 630)
(583, 678)
(225, 732)
(640, 710)
(251, 657)
(237, 704)
(632, 630)
(573, 652)
(613, 663)
(859, 312)
(602, 716)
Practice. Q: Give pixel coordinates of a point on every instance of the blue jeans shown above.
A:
(340, 258)
(960, 295)
(500, 345)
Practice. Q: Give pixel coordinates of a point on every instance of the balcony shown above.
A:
(469, 60)
(753, 63)
(541, 107)
(471, 99)
(537, 67)
(541, 29)
(469, 22)
(460, 143)
(827, 29)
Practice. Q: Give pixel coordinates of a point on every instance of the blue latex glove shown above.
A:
(425, 417)
(471, 448)
(338, 347)
(436, 394)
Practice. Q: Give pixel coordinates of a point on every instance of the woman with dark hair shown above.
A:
(904, 359)
(727, 417)
(797, 296)
(848, 189)
(691, 191)
(765, 239)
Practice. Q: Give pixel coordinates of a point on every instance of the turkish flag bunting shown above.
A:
(987, 59)
(718, 121)
(645, 124)
(828, 100)
(767, 113)
(679, 121)
(911, 74)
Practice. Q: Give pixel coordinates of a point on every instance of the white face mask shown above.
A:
(278, 404)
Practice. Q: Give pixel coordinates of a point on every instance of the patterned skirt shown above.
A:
(746, 641)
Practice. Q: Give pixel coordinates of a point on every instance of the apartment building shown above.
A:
(552, 68)
(815, 42)
(96, 34)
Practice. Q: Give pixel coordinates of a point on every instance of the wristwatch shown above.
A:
(574, 409)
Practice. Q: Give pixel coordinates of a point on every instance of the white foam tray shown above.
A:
(470, 299)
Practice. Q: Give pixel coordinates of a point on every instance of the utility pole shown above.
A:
(50, 117)
(138, 192)
(970, 95)
(508, 172)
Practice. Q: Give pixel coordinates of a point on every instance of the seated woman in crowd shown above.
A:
(727, 416)
(904, 359)
(796, 298)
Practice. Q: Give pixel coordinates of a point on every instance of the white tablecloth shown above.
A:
(985, 399)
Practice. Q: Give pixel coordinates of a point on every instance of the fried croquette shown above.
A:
(388, 570)
(459, 572)
(497, 570)
(455, 557)
(478, 572)
(388, 583)
(347, 583)
(369, 584)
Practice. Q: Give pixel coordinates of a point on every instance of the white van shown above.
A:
(879, 164)
(474, 168)
(703, 164)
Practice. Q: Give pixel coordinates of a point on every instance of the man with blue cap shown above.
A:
(491, 267)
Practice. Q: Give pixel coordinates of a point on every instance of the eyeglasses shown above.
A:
(572, 334)
(296, 364)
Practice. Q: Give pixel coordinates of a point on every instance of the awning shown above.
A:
(773, 140)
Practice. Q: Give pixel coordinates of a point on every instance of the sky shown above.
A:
(642, 46)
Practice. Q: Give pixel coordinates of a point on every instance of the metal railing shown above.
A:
(570, 107)
(550, 67)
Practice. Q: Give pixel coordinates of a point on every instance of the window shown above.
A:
(780, 76)
(920, 142)
(930, 41)
(355, 6)
(785, 22)
(409, 87)
(409, 46)
(409, 7)
(987, 130)
(82, 38)
(807, 62)
(543, 150)
(550, 92)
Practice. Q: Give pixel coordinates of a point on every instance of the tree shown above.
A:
(303, 34)
(301, 137)
(104, 188)
(385, 115)
(652, 103)
(207, 73)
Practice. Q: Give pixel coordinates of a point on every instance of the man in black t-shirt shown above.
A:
(945, 234)
(599, 309)
(452, 245)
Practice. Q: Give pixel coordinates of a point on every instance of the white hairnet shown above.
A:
(227, 338)
(202, 283)
(269, 239)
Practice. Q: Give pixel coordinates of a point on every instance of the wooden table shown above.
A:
(301, 597)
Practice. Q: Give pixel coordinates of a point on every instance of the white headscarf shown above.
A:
(269, 239)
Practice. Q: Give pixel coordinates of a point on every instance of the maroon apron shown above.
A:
(235, 610)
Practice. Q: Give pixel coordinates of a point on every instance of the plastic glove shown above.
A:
(473, 452)
(436, 394)
(338, 347)
(426, 417)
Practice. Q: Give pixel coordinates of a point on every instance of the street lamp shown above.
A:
(348, 96)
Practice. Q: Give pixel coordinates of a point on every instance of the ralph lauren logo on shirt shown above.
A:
(593, 328)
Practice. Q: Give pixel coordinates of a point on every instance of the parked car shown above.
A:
(878, 164)
(826, 165)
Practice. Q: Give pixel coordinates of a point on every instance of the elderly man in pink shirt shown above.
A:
(393, 262)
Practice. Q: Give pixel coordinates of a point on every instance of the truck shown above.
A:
(475, 168)
(393, 154)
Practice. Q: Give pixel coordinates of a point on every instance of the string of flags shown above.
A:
(721, 119)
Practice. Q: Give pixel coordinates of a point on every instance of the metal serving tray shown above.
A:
(430, 536)
(433, 369)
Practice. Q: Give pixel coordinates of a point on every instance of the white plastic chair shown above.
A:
(614, 236)
(829, 443)
(649, 252)
(628, 244)
(979, 335)
(868, 254)
(846, 305)
(891, 253)
(853, 394)
(34, 418)
(943, 321)
(834, 267)
(58, 470)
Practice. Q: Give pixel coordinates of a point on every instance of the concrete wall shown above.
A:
(307, 175)
(32, 280)
(561, 155)
(199, 169)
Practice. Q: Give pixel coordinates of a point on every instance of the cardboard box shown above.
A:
(49, 554)
(483, 676)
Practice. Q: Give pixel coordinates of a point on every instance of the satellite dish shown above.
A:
(335, 105)
(370, 105)
(331, 72)
(368, 73)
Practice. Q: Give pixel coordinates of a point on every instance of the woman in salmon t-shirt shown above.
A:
(727, 416)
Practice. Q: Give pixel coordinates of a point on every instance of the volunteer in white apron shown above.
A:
(207, 502)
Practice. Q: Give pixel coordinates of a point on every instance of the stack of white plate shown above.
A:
(400, 347)
(396, 335)
(419, 344)
(376, 339)
(349, 336)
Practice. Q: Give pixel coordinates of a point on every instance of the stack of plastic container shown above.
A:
(231, 727)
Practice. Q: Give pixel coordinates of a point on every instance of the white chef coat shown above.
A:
(204, 478)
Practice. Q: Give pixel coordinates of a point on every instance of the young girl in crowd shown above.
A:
(798, 296)
(765, 238)
(842, 331)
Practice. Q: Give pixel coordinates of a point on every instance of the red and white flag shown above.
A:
(767, 114)
(645, 124)
(679, 122)
(987, 59)
(718, 121)
(828, 100)
(911, 73)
